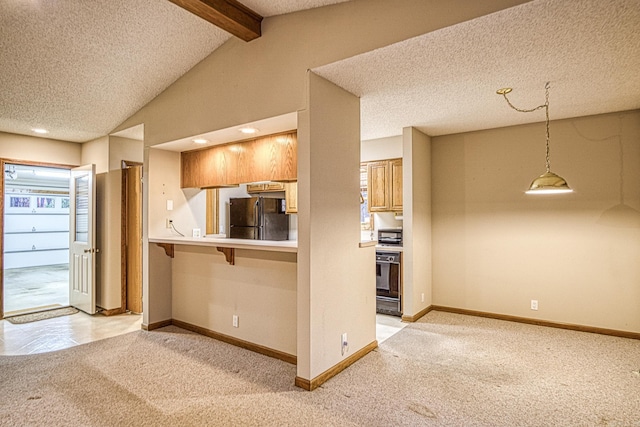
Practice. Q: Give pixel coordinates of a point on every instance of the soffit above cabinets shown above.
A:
(270, 126)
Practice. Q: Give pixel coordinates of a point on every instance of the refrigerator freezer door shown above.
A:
(243, 212)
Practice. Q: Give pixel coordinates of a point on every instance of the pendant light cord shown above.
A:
(504, 92)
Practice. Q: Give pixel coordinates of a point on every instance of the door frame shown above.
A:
(3, 163)
(126, 165)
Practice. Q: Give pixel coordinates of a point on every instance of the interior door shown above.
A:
(82, 250)
(133, 237)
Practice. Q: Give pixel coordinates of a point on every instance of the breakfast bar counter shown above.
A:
(223, 242)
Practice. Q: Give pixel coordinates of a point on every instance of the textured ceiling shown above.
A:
(80, 68)
(445, 82)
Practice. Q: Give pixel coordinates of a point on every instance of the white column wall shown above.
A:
(416, 195)
(335, 276)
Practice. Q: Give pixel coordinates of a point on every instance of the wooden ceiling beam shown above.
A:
(229, 15)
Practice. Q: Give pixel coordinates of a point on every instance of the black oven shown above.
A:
(388, 289)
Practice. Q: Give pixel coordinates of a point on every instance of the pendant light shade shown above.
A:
(548, 182)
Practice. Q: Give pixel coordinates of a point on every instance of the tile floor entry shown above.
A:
(63, 332)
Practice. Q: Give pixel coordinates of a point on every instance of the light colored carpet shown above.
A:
(445, 370)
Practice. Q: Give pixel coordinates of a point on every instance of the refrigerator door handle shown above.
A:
(258, 221)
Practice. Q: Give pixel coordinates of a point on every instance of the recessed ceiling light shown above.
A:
(200, 141)
(40, 131)
(248, 130)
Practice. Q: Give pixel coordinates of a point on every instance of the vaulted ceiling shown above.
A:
(80, 68)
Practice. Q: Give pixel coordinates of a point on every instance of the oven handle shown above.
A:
(379, 261)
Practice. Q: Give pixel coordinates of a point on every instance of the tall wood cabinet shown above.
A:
(384, 179)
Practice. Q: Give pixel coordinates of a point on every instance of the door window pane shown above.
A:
(82, 209)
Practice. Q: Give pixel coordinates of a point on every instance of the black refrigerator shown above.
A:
(258, 218)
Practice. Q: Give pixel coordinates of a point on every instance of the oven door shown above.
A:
(387, 278)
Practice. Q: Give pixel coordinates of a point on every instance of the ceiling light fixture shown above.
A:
(548, 182)
(249, 130)
(200, 141)
(40, 131)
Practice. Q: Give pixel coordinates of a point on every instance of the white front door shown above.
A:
(82, 250)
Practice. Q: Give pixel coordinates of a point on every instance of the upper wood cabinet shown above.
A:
(384, 185)
(270, 158)
(378, 186)
(209, 168)
(395, 199)
(291, 197)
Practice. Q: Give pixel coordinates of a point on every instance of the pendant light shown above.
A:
(548, 182)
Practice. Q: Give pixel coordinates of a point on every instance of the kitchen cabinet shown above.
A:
(291, 197)
(395, 198)
(384, 185)
(265, 187)
(269, 158)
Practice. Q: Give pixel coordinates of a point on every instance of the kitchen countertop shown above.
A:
(223, 242)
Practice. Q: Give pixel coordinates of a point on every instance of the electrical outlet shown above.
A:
(534, 304)
(235, 320)
(422, 297)
(345, 344)
(169, 222)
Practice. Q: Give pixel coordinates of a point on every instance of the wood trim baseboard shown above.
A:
(157, 325)
(417, 316)
(560, 325)
(311, 385)
(289, 358)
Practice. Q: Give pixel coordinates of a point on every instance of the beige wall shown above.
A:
(381, 149)
(335, 277)
(162, 183)
(97, 152)
(260, 289)
(32, 149)
(496, 248)
(156, 265)
(188, 204)
(124, 149)
(416, 195)
(241, 82)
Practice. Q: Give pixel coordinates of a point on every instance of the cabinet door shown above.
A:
(291, 197)
(255, 188)
(274, 186)
(265, 188)
(395, 167)
(378, 184)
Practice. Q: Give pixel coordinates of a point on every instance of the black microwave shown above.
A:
(390, 236)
